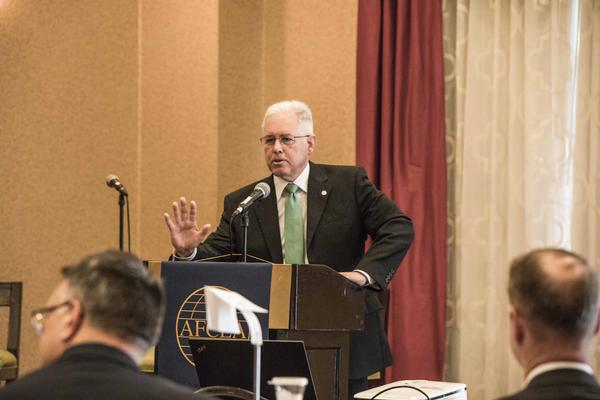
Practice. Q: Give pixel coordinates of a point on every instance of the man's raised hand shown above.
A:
(183, 228)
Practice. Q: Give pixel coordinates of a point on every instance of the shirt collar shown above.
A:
(550, 366)
(301, 181)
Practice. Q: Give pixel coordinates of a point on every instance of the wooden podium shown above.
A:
(312, 303)
(323, 308)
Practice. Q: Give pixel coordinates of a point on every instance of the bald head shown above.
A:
(557, 292)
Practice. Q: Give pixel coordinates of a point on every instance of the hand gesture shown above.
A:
(183, 228)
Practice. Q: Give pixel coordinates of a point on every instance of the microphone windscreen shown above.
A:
(111, 180)
(263, 187)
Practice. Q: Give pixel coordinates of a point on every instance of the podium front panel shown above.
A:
(186, 313)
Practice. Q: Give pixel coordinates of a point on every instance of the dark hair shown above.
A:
(118, 295)
(566, 305)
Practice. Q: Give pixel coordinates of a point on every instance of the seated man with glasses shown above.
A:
(96, 327)
(319, 214)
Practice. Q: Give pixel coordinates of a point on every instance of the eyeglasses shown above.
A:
(287, 140)
(37, 316)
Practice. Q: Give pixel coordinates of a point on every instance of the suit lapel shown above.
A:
(318, 194)
(268, 221)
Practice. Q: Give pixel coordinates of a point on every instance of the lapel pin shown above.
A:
(323, 192)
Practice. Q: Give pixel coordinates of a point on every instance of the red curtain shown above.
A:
(401, 143)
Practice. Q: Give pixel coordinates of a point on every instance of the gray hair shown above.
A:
(305, 121)
(118, 295)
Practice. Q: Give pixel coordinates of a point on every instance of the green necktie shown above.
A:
(293, 234)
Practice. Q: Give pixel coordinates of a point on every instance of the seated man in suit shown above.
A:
(94, 330)
(553, 318)
(316, 213)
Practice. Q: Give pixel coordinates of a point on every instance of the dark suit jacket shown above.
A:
(94, 372)
(564, 384)
(343, 209)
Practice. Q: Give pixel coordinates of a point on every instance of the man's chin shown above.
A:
(280, 172)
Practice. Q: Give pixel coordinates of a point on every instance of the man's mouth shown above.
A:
(277, 162)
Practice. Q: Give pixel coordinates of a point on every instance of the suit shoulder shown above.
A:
(339, 170)
(26, 387)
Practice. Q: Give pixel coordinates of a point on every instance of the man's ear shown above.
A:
(71, 321)
(312, 142)
(597, 327)
(517, 328)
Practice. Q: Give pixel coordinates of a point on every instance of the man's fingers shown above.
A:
(184, 210)
(193, 211)
(168, 221)
(355, 277)
(204, 232)
(176, 213)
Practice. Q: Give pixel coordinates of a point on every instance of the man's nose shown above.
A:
(277, 146)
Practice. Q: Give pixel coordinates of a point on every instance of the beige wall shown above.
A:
(179, 115)
(168, 95)
(68, 117)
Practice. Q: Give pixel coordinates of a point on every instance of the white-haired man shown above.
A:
(320, 214)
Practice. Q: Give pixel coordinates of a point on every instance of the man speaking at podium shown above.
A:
(316, 214)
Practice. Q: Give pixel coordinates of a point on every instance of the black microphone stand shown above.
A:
(244, 225)
(121, 222)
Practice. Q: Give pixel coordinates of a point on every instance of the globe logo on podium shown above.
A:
(191, 322)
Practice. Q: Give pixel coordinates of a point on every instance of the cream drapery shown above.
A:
(523, 137)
